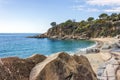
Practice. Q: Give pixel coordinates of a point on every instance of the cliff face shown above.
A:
(60, 32)
(14, 68)
(62, 66)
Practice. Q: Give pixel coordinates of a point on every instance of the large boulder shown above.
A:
(14, 68)
(62, 66)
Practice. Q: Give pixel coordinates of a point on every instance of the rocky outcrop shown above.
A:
(59, 66)
(62, 66)
(58, 32)
(38, 36)
(14, 68)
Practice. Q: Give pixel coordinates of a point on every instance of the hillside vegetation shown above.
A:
(105, 26)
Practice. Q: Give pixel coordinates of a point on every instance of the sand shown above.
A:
(106, 40)
(97, 59)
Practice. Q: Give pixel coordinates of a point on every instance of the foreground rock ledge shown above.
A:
(62, 66)
(14, 68)
(59, 66)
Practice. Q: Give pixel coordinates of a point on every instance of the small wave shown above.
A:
(82, 50)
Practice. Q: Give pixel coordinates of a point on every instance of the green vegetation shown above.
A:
(53, 24)
(103, 16)
(90, 19)
(106, 25)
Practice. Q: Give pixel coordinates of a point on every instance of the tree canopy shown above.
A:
(90, 19)
(53, 24)
(103, 16)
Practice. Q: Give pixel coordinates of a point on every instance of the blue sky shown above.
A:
(35, 16)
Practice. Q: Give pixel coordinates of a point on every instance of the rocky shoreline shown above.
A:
(14, 68)
(62, 66)
(106, 63)
(59, 66)
(63, 37)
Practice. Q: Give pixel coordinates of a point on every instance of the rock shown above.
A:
(14, 68)
(36, 58)
(93, 50)
(118, 36)
(39, 36)
(118, 73)
(4, 75)
(62, 66)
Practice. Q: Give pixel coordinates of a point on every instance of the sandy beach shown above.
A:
(105, 55)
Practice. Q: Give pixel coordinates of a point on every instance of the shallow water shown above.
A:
(19, 45)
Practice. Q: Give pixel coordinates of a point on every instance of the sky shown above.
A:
(35, 16)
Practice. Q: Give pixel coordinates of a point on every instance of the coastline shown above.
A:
(97, 60)
(90, 49)
(105, 57)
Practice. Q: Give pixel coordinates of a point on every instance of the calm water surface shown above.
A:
(19, 45)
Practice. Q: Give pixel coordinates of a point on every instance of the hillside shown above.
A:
(105, 26)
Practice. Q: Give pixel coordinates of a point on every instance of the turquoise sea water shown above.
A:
(19, 45)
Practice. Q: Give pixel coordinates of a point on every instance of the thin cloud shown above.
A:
(93, 10)
(116, 9)
(98, 5)
(79, 7)
(104, 2)
(83, 8)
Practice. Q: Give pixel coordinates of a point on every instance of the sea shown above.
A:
(18, 45)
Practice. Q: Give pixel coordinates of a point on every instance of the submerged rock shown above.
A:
(62, 66)
(14, 68)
